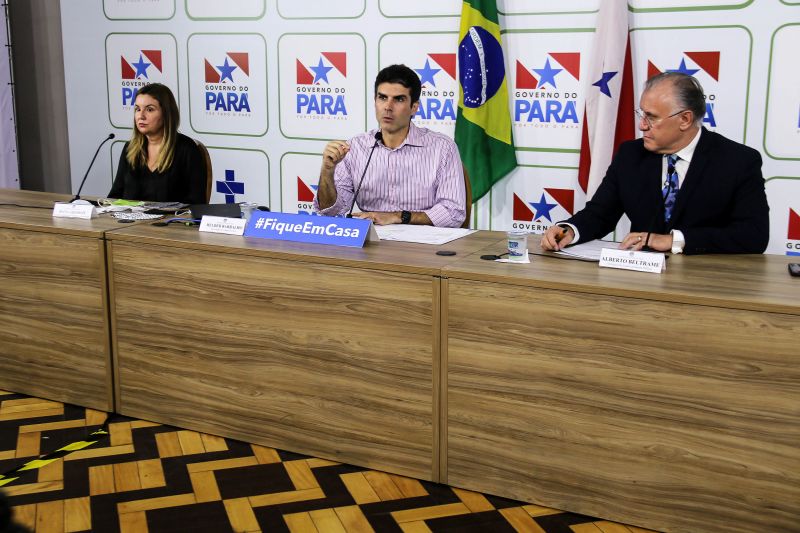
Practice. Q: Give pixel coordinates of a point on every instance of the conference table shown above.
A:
(54, 340)
(667, 401)
(327, 351)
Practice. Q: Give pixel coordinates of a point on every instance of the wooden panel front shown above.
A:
(53, 319)
(335, 362)
(670, 416)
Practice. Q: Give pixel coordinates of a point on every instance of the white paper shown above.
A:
(588, 250)
(525, 259)
(372, 235)
(421, 234)
(117, 209)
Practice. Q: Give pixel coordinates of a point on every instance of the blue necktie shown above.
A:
(670, 190)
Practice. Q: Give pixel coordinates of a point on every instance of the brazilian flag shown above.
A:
(483, 123)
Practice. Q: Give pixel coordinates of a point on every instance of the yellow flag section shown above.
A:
(483, 121)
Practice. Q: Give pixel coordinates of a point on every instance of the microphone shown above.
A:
(378, 138)
(80, 188)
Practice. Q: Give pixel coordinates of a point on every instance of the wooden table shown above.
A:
(54, 340)
(668, 401)
(326, 351)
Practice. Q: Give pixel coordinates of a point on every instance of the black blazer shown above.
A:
(721, 206)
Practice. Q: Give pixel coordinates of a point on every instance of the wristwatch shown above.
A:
(405, 217)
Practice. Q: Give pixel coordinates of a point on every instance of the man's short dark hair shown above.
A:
(688, 91)
(404, 76)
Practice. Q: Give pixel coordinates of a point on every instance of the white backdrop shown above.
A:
(264, 84)
(9, 170)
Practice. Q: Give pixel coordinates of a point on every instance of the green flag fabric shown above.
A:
(483, 122)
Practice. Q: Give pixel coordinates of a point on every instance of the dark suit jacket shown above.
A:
(721, 206)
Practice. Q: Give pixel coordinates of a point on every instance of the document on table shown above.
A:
(588, 250)
(421, 234)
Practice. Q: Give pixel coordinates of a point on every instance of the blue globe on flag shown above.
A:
(480, 57)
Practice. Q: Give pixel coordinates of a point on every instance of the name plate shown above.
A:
(76, 210)
(338, 231)
(653, 262)
(228, 226)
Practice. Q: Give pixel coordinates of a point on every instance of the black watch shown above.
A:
(405, 217)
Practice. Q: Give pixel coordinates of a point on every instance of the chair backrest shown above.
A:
(468, 189)
(209, 173)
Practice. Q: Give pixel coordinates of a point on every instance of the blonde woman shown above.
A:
(159, 164)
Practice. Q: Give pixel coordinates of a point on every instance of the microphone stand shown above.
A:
(83, 181)
(378, 138)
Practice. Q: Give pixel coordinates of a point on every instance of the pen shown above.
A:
(561, 235)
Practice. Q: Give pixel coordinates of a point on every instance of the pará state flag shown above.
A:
(483, 120)
(609, 100)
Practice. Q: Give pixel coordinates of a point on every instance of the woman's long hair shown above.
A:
(171, 117)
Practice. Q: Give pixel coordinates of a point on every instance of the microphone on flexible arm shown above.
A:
(378, 138)
(80, 188)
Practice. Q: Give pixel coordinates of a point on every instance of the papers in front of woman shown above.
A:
(589, 251)
(108, 205)
(135, 216)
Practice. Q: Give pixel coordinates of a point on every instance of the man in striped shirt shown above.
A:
(414, 175)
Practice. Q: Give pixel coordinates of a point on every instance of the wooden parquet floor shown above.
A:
(138, 476)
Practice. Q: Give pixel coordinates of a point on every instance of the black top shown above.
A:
(184, 181)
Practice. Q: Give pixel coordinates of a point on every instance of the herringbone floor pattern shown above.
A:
(146, 477)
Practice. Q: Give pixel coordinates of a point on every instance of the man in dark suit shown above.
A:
(685, 189)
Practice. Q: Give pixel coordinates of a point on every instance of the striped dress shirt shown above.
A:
(422, 174)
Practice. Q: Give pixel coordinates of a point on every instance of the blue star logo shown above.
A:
(141, 67)
(426, 74)
(547, 74)
(321, 72)
(542, 208)
(684, 69)
(602, 83)
(230, 187)
(226, 71)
